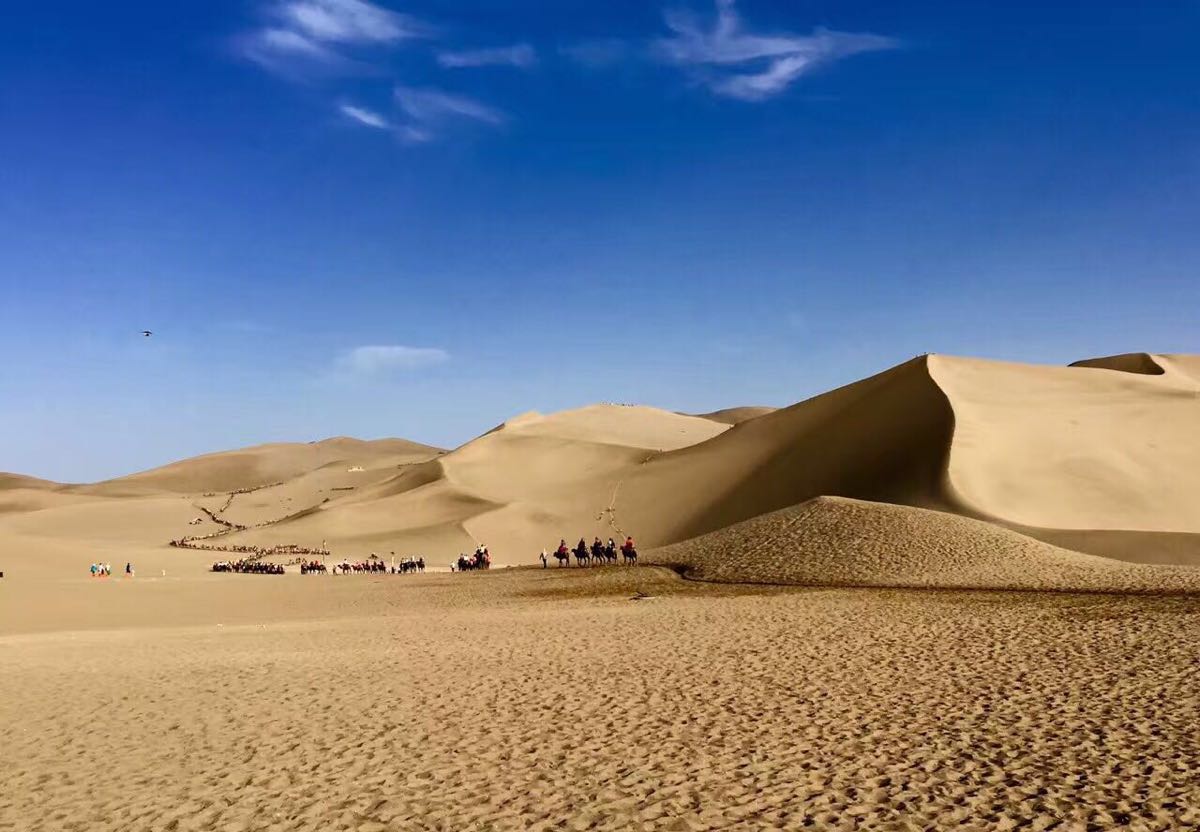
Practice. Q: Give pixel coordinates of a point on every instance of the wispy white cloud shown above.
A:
(363, 116)
(433, 106)
(411, 134)
(732, 61)
(389, 358)
(306, 37)
(520, 55)
(287, 53)
(347, 21)
(306, 40)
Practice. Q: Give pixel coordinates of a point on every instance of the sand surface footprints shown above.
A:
(814, 710)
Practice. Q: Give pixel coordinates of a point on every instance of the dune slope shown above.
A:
(737, 415)
(1099, 458)
(832, 541)
(884, 438)
(1085, 447)
(518, 488)
(261, 465)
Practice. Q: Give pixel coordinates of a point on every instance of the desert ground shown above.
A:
(959, 594)
(616, 698)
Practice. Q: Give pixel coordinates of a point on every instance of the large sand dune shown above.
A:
(263, 465)
(518, 488)
(1102, 457)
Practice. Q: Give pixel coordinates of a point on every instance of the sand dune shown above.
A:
(882, 438)
(1141, 363)
(517, 488)
(1074, 447)
(1047, 451)
(736, 415)
(261, 465)
(48, 529)
(833, 541)
(1101, 457)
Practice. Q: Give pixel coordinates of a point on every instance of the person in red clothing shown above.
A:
(628, 551)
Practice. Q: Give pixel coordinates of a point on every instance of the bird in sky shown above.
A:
(146, 333)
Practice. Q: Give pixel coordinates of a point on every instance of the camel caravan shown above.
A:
(248, 567)
(376, 565)
(481, 559)
(598, 554)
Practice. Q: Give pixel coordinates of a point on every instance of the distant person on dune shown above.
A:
(128, 569)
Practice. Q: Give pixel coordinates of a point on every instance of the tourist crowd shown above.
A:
(249, 567)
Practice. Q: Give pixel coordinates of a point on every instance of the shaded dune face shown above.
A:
(883, 438)
(1131, 362)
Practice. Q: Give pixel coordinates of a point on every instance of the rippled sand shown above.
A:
(553, 700)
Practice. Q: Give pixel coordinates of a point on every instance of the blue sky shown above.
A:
(418, 219)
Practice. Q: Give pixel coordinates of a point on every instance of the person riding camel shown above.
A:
(628, 547)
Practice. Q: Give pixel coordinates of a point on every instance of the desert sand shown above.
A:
(1100, 458)
(530, 699)
(957, 594)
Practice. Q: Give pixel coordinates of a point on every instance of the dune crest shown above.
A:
(1141, 363)
(259, 465)
(737, 415)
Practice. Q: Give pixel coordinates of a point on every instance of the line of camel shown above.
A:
(598, 553)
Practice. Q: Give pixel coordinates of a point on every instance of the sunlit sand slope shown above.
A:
(261, 465)
(834, 541)
(1088, 447)
(518, 488)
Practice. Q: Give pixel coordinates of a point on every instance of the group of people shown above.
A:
(249, 567)
(598, 553)
(480, 559)
(256, 551)
(377, 565)
(104, 570)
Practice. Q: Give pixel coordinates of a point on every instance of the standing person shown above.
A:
(128, 569)
(93, 570)
(543, 558)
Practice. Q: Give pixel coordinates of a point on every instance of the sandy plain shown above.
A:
(617, 698)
